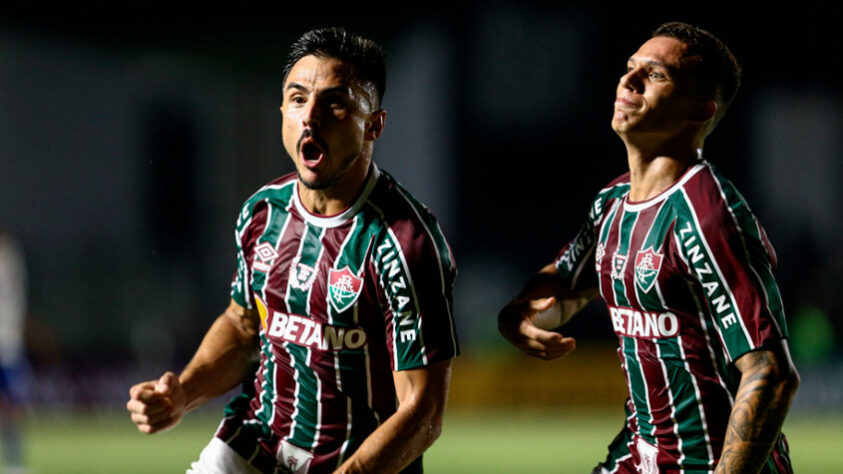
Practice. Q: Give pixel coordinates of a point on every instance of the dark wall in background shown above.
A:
(129, 139)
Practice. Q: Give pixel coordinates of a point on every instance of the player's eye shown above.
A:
(656, 75)
(335, 102)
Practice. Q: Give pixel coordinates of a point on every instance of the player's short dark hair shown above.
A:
(366, 58)
(715, 71)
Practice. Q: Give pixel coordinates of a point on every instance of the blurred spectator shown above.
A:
(14, 368)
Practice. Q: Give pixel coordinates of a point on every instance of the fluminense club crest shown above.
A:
(343, 288)
(647, 266)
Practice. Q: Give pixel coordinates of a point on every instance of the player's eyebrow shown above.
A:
(649, 62)
(336, 89)
(297, 86)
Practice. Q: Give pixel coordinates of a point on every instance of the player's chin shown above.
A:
(312, 181)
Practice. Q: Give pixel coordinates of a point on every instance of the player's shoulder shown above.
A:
(708, 200)
(277, 192)
(406, 221)
(709, 191)
(612, 191)
(615, 188)
(280, 188)
(397, 205)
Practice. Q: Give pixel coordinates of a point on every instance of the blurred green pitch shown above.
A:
(529, 442)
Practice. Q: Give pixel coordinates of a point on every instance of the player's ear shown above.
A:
(376, 123)
(704, 111)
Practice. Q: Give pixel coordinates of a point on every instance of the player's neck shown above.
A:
(337, 197)
(654, 170)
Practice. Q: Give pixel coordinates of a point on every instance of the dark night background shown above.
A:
(130, 136)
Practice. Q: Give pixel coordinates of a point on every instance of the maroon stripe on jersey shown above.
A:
(631, 420)
(331, 245)
(725, 243)
(275, 291)
(768, 246)
(782, 462)
(248, 240)
(638, 233)
(284, 382)
(648, 358)
(611, 246)
(658, 395)
(716, 404)
(419, 253)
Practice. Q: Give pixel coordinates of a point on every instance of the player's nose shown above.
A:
(632, 80)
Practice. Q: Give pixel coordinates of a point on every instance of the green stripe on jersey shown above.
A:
(352, 254)
(651, 300)
(351, 363)
(408, 347)
(639, 392)
(695, 250)
(756, 252)
(267, 396)
(686, 402)
(628, 220)
(306, 414)
(277, 220)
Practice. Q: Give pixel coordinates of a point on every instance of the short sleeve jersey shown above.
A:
(688, 277)
(343, 302)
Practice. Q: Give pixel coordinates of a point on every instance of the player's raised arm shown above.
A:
(404, 436)
(221, 362)
(544, 297)
(768, 384)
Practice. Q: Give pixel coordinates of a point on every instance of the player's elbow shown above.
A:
(789, 382)
(783, 380)
(432, 430)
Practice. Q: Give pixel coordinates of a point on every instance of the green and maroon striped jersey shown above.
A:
(688, 280)
(343, 301)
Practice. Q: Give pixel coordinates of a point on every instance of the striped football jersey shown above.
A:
(688, 280)
(343, 302)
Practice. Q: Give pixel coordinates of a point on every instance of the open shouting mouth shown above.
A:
(311, 150)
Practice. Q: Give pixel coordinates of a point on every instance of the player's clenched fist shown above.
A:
(157, 405)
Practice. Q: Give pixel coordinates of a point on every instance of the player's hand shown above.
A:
(157, 405)
(515, 323)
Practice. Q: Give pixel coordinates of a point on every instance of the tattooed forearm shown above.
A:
(768, 384)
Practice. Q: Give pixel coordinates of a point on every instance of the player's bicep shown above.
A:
(426, 385)
(246, 320)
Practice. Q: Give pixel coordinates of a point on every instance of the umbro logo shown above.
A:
(264, 255)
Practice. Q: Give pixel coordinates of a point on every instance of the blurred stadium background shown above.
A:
(129, 139)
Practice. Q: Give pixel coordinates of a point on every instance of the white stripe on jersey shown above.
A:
(348, 425)
(716, 268)
(699, 404)
(276, 246)
(667, 384)
(634, 207)
(439, 262)
(400, 252)
(746, 252)
(315, 269)
(296, 398)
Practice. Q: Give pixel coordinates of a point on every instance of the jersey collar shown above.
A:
(349, 212)
(637, 206)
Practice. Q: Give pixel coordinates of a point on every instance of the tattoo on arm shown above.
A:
(768, 384)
